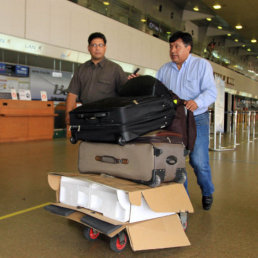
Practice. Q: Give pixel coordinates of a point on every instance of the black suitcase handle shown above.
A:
(111, 160)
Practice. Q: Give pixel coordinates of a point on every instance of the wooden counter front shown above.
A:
(22, 120)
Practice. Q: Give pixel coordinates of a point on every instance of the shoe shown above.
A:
(207, 202)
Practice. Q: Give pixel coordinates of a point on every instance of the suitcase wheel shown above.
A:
(121, 141)
(156, 181)
(180, 176)
(118, 242)
(90, 234)
(73, 140)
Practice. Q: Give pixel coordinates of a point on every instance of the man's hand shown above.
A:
(131, 76)
(191, 105)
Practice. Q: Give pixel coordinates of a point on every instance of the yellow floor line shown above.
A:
(24, 211)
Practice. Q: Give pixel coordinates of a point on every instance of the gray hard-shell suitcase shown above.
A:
(149, 163)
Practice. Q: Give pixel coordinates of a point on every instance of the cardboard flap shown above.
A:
(157, 233)
(135, 198)
(169, 198)
(54, 181)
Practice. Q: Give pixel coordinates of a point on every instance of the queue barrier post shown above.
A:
(220, 148)
(253, 125)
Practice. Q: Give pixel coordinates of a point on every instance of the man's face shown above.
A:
(179, 52)
(97, 49)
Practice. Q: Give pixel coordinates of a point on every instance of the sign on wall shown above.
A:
(42, 79)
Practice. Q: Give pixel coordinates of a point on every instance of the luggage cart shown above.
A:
(94, 227)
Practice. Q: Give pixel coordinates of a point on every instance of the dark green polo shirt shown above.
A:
(94, 82)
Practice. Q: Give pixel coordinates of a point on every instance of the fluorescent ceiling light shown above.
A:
(216, 6)
(236, 40)
(208, 19)
(239, 27)
(229, 34)
(196, 8)
(106, 3)
(143, 20)
(253, 40)
(219, 27)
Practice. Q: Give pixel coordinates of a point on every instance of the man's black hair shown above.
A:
(97, 35)
(186, 38)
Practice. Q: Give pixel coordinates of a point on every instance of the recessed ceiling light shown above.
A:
(216, 6)
(143, 20)
(219, 27)
(106, 3)
(253, 40)
(229, 34)
(236, 40)
(208, 19)
(249, 49)
(168, 32)
(243, 45)
(239, 27)
(196, 8)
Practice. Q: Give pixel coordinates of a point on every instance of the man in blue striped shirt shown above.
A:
(191, 78)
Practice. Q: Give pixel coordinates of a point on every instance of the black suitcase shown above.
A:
(145, 85)
(120, 119)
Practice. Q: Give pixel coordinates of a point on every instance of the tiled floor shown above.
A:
(229, 229)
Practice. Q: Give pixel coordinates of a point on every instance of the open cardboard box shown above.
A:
(152, 221)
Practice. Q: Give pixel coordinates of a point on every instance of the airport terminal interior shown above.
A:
(38, 57)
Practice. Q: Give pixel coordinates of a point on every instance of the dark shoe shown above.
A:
(207, 202)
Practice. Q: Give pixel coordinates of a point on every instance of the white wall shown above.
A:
(65, 24)
(12, 17)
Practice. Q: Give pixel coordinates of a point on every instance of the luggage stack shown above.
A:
(121, 162)
(113, 132)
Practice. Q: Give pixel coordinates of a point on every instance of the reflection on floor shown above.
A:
(229, 229)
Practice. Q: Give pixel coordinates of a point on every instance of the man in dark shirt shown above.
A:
(97, 78)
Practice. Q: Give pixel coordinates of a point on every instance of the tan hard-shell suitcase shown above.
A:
(146, 163)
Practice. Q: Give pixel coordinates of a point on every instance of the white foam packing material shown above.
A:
(97, 197)
(111, 202)
(74, 191)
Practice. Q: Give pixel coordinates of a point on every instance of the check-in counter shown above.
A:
(22, 120)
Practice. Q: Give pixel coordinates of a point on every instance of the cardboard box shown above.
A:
(149, 215)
